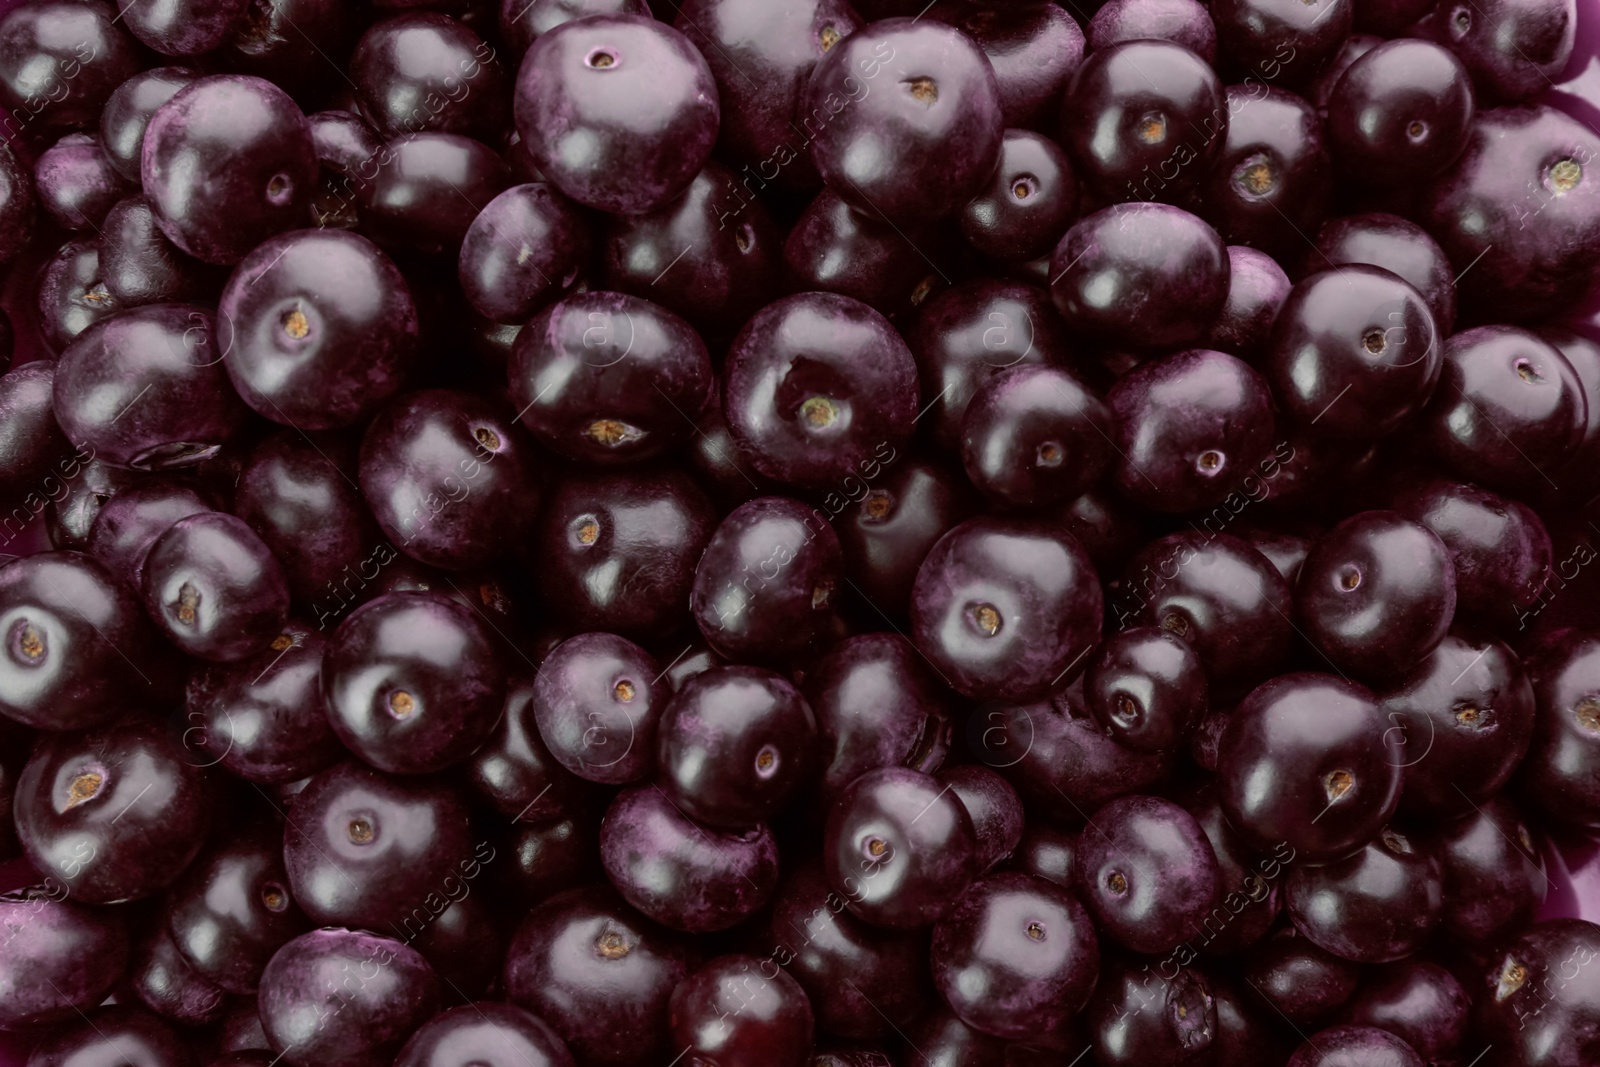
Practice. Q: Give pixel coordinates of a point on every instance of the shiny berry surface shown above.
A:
(734, 744)
(412, 682)
(1006, 610)
(619, 112)
(900, 847)
(1015, 956)
(115, 813)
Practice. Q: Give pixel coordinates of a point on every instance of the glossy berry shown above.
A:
(147, 390)
(163, 980)
(1498, 546)
(1419, 1002)
(1509, 406)
(487, 1032)
(619, 548)
(1147, 687)
(1531, 1003)
(63, 58)
(1217, 593)
(72, 296)
(598, 700)
(609, 378)
(69, 519)
(1137, 136)
(1398, 246)
(364, 849)
(233, 910)
(184, 27)
(514, 771)
(713, 254)
(1513, 48)
(227, 163)
(214, 589)
(450, 477)
(1182, 22)
(421, 191)
(1559, 775)
(1305, 760)
(889, 531)
(601, 975)
(766, 585)
(835, 248)
(733, 746)
(413, 682)
(1257, 289)
(1492, 852)
(525, 249)
(115, 813)
(1355, 353)
(1273, 180)
(1401, 112)
(30, 441)
(732, 1012)
(140, 265)
(1142, 1017)
(632, 96)
(123, 1032)
(70, 627)
(1030, 199)
(301, 496)
(1376, 906)
(422, 70)
(762, 58)
(818, 388)
(877, 704)
(971, 332)
(995, 808)
(1033, 49)
(1016, 956)
(1147, 873)
(1059, 758)
(1006, 610)
(1467, 713)
(1376, 594)
(1033, 436)
(863, 980)
(61, 957)
(262, 718)
(900, 847)
(130, 522)
(1366, 1045)
(76, 183)
(918, 144)
(127, 113)
(682, 875)
(318, 328)
(1303, 982)
(1248, 882)
(1189, 426)
(341, 998)
(1140, 276)
(1281, 38)
(1523, 197)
